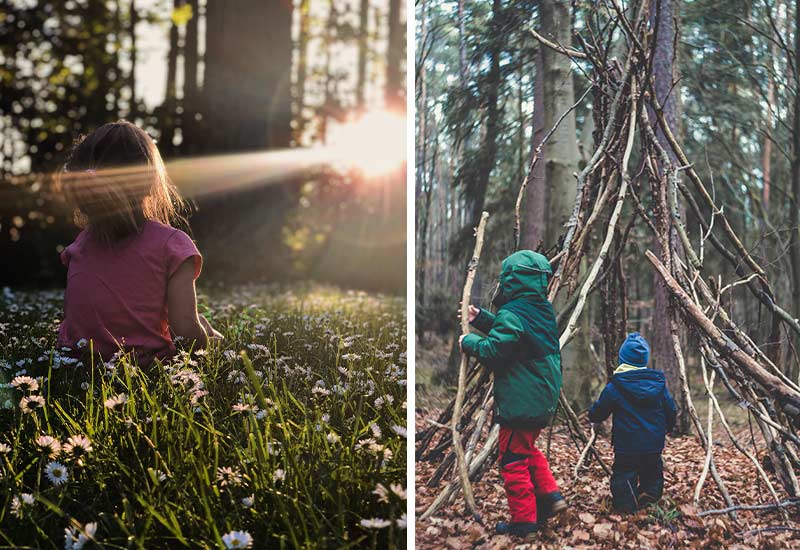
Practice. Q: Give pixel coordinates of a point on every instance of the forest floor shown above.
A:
(589, 521)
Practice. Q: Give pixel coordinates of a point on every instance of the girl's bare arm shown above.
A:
(182, 305)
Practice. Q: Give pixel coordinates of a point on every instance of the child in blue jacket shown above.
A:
(643, 413)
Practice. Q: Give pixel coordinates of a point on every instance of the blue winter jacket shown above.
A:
(643, 411)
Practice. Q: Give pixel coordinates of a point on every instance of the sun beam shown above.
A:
(372, 144)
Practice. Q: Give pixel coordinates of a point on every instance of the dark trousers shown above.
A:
(636, 481)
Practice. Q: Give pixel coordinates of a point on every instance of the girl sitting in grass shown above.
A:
(130, 275)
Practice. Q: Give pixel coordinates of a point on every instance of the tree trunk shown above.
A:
(190, 86)
(562, 148)
(363, 49)
(534, 219)
(795, 210)
(248, 100)
(133, 19)
(663, 351)
(395, 99)
(168, 115)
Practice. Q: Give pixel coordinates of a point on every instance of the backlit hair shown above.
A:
(116, 181)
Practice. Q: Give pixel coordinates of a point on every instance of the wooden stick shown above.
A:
(466, 295)
(612, 223)
(728, 510)
(589, 444)
(789, 399)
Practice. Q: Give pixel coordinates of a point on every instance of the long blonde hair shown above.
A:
(116, 181)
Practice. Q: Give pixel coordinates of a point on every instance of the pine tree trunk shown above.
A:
(795, 172)
(663, 352)
(133, 19)
(534, 219)
(363, 50)
(190, 86)
(395, 99)
(562, 148)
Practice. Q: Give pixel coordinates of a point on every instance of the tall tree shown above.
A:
(795, 191)
(363, 51)
(395, 86)
(246, 89)
(663, 351)
(562, 148)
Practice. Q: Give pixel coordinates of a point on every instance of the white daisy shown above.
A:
(247, 502)
(25, 383)
(382, 492)
(228, 476)
(333, 437)
(5, 448)
(117, 401)
(56, 472)
(400, 430)
(375, 523)
(30, 403)
(76, 538)
(398, 490)
(237, 539)
(278, 475)
(20, 501)
(402, 522)
(77, 445)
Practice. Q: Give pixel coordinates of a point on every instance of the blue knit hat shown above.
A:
(635, 350)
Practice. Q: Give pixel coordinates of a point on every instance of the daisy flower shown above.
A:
(56, 472)
(228, 476)
(398, 490)
(247, 502)
(77, 445)
(116, 401)
(375, 523)
(25, 383)
(76, 538)
(382, 492)
(400, 430)
(333, 437)
(278, 475)
(402, 522)
(49, 444)
(5, 448)
(20, 501)
(30, 403)
(237, 539)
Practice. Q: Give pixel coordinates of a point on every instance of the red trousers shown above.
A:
(525, 472)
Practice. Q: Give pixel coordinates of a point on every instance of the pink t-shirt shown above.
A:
(118, 296)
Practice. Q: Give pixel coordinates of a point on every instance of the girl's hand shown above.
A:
(213, 334)
(473, 312)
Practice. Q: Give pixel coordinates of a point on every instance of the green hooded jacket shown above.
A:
(521, 344)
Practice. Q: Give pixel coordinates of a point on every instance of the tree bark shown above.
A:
(562, 148)
(190, 86)
(663, 351)
(363, 49)
(794, 249)
(395, 99)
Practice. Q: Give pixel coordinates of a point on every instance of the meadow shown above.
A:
(291, 433)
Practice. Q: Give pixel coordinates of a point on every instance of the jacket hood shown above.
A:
(640, 385)
(524, 273)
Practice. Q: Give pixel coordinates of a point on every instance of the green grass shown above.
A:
(288, 430)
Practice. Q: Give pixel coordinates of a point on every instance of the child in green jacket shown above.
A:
(522, 350)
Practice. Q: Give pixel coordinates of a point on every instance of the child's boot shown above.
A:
(548, 506)
(524, 529)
